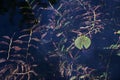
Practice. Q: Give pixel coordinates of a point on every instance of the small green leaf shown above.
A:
(78, 43)
(82, 42)
(87, 42)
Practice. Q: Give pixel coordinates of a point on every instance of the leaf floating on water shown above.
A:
(78, 44)
(87, 42)
(82, 42)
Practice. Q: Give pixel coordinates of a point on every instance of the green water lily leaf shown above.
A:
(82, 42)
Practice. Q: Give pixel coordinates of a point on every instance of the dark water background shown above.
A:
(100, 40)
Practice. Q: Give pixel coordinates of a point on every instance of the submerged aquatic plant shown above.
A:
(73, 23)
(16, 59)
(71, 27)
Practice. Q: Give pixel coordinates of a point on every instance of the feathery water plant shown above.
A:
(17, 62)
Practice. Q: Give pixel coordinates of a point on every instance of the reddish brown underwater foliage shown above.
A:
(15, 54)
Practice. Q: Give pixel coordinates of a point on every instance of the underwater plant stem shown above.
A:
(55, 9)
(82, 4)
(10, 46)
(69, 47)
(26, 73)
(28, 46)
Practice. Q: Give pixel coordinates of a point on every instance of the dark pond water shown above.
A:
(51, 41)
